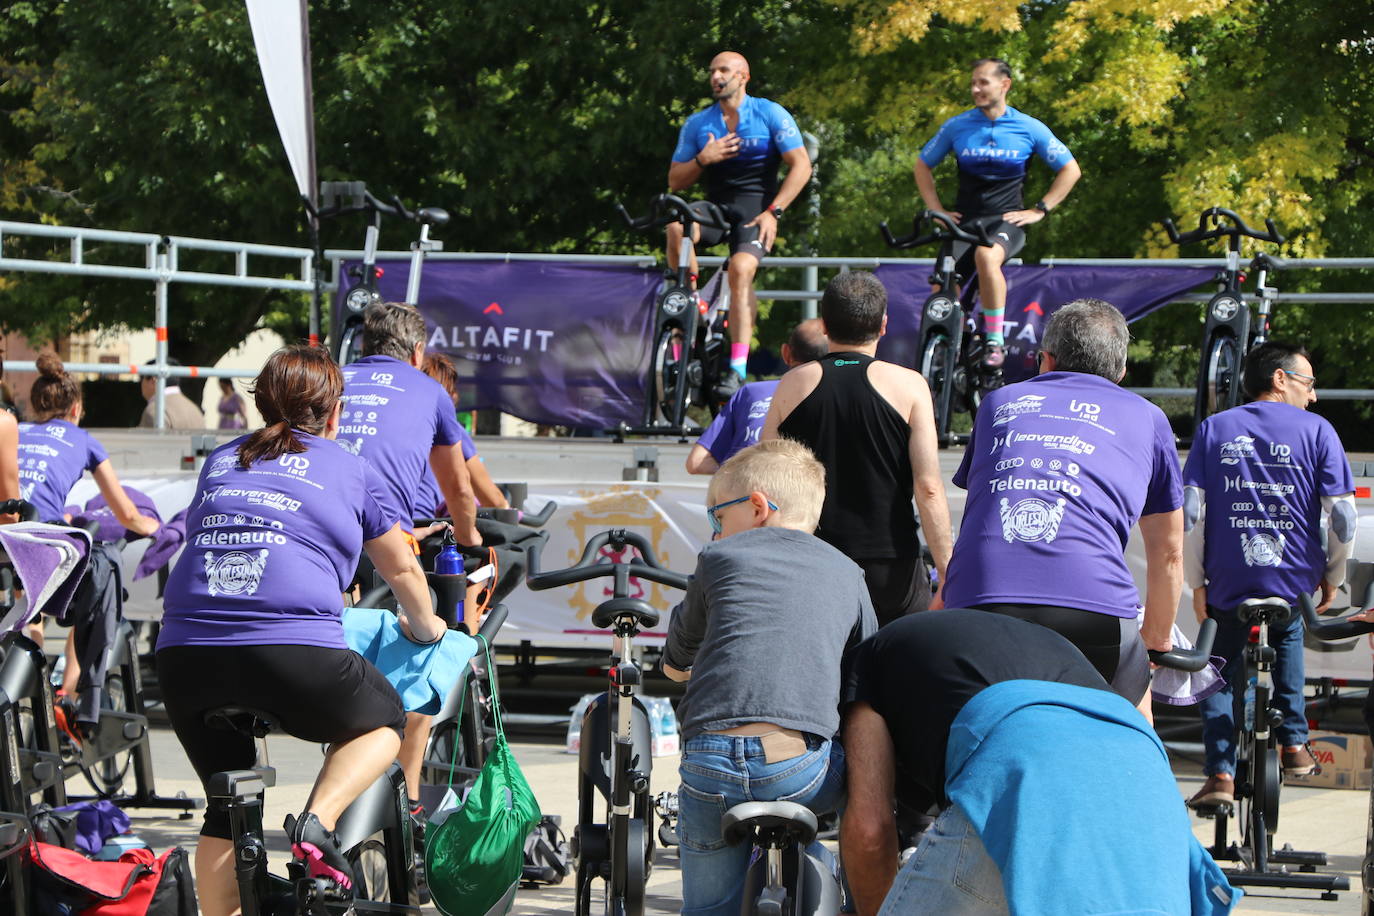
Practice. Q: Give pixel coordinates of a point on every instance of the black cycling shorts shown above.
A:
(896, 587)
(1112, 644)
(1010, 237)
(739, 209)
(316, 694)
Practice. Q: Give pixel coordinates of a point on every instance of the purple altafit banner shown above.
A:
(555, 343)
(1033, 295)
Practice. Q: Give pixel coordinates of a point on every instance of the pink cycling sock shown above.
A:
(992, 325)
(739, 358)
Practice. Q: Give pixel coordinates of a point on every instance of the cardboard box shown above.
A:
(1345, 761)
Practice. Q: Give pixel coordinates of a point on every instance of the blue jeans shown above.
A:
(1218, 710)
(950, 873)
(721, 771)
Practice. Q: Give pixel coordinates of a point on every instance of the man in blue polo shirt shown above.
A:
(736, 145)
(993, 143)
(1256, 482)
(740, 421)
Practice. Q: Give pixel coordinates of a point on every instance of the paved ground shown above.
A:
(1328, 819)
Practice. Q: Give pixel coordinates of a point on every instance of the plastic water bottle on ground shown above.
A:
(573, 743)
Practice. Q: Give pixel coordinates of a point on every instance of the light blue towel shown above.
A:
(422, 675)
(1072, 794)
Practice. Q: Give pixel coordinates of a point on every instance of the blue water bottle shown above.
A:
(449, 562)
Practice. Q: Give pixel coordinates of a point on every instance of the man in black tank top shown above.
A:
(872, 425)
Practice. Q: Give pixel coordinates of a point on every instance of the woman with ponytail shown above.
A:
(252, 611)
(54, 452)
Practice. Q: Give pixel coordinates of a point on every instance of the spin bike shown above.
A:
(614, 761)
(1229, 332)
(951, 351)
(338, 198)
(1329, 629)
(1259, 777)
(690, 346)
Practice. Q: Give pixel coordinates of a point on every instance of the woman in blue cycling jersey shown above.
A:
(252, 612)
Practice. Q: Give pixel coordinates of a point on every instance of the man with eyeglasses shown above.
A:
(1059, 469)
(1257, 480)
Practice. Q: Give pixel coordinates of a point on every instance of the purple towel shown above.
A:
(96, 822)
(50, 561)
(165, 542)
(98, 510)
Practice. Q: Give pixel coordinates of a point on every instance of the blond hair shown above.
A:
(783, 470)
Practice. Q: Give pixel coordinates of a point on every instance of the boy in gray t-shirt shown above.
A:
(761, 633)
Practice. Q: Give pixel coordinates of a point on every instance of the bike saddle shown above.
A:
(431, 216)
(789, 820)
(608, 612)
(242, 719)
(1270, 610)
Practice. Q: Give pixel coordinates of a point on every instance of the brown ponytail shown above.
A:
(295, 391)
(55, 392)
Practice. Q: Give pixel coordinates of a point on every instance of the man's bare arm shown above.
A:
(451, 473)
(927, 484)
(700, 461)
(792, 390)
(925, 183)
(868, 830)
(1063, 183)
(1162, 533)
(798, 174)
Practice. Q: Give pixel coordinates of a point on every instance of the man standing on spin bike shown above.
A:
(737, 145)
(993, 143)
(1256, 482)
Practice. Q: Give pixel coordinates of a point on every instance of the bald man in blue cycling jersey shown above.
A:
(993, 143)
(737, 145)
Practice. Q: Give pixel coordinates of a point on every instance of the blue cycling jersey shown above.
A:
(992, 157)
(765, 130)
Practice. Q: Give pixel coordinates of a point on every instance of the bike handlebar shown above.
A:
(1330, 628)
(592, 566)
(1194, 659)
(669, 208)
(952, 231)
(22, 508)
(492, 623)
(1217, 229)
(364, 201)
(1267, 262)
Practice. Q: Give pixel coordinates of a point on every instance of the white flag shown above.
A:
(282, 35)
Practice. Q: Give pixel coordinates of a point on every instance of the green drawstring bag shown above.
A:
(475, 855)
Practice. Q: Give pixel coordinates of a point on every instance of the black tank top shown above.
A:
(865, 447)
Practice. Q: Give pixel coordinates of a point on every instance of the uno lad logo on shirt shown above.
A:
(296, 465)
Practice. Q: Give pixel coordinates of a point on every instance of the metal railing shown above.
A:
(161, 255)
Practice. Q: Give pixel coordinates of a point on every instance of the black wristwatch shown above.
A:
(1042, 207)
(776, 211)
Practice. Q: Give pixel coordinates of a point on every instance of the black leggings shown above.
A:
(896, 587)
(316, 694)
(1111, 644)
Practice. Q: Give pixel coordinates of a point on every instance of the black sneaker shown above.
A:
(319, 848)
(993, 356)
(729, 383)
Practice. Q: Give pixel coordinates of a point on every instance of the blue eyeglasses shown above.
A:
(712, 510)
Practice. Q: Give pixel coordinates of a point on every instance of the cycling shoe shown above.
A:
(319, 848)
(729, 383)
(993, 356)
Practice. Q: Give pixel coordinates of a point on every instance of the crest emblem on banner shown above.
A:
(620, 507)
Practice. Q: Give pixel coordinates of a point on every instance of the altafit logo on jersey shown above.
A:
(990, 152)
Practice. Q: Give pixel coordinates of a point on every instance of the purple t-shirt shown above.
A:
(270, 548)
(428, 498)
(1058, 470)
(739, 423)
(393, 414)
(1264, 467)
(52, 457)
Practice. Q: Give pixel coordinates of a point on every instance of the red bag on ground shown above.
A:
(139, 884)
